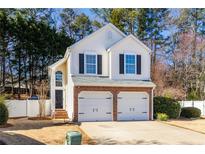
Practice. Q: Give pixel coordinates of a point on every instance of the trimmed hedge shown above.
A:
(4, 113)
(166, 105)
(190, 112)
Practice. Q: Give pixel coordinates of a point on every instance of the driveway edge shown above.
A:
(182, 127)
(91, 141)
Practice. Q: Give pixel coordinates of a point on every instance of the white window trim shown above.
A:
(125, 71)
(85, 68)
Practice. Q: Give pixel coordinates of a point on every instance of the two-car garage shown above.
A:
(98, 106)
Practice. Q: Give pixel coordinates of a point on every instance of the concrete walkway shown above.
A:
(140, 132)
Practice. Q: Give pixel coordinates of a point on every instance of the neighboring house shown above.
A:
(104, 77)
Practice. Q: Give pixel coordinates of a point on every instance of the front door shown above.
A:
(59, 99)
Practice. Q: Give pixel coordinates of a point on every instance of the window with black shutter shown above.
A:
(139, 65)
(99, 65)
(121, 63)
(81, 63)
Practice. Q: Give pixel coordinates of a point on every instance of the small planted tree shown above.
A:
(42, 92)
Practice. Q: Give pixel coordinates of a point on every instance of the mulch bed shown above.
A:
(6, 125)
(39, 118)
(66, 123)
(17, 117)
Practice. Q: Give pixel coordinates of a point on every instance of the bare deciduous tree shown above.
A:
(42, 92)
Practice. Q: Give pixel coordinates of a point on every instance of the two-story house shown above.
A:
(104, 77)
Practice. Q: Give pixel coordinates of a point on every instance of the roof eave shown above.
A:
(114, 85)
(140, 42)
(67, 53)
(59, 62)
(136, 39)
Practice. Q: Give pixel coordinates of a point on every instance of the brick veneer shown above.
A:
(115, 91)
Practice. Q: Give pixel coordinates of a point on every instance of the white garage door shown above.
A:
(133, 106)
(94, 106)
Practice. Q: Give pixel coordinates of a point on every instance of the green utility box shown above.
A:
(73, 138)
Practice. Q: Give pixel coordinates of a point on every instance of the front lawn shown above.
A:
(23, 131)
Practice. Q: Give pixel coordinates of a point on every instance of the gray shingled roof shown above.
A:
(106, 81)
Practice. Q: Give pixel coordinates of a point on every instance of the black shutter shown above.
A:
(138, 63)
(121, 63)
(81, 63)
(99, 64)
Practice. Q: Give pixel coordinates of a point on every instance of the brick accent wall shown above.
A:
(115, 91)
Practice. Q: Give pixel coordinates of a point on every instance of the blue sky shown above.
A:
(88, 12)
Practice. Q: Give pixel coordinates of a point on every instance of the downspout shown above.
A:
(152, 103)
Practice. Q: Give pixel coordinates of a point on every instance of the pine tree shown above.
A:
(123, 18)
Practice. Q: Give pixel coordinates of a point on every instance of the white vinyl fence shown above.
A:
(33, 108)
(17, 108)
(198, 104)
(26, 108)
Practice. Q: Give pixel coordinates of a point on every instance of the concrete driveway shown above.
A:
(140, 132)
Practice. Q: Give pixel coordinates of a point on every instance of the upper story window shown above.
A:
(90, 64)
(59, 79)
(130, 64)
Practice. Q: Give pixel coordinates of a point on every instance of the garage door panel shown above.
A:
(95, 95)
(88, 104)
(133, 106)
(95, 106)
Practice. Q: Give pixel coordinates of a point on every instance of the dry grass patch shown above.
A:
(53, 135)
(197, 125)
(50, 132)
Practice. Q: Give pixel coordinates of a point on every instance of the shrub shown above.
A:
(162, 116)
(4, 114)
(166, 105)
(190, 112)
(2, 99)
(7, 96)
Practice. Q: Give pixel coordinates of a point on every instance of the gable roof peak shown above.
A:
(135, 39)
(96, 32)
(115, 28)
(140, 42)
